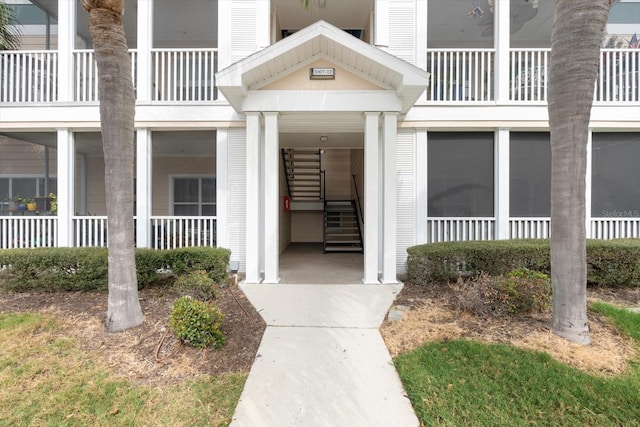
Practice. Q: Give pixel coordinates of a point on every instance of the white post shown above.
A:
(501, 196)
(222, 188)
(422, 199)
(502, 37)
(271, 200)
(144, 187)
(66, 203)
(253, 199)
(66, 44)
(371, 198)
(263, 21)
(390, 131)
(145, 43)
(588, 187)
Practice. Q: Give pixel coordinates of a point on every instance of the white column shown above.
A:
(66, 167)
(263, 23)
(501, 196)
(371, 198)
(390, 132)
(144, 187)
(588, 187)
(253, 199)
(222, 188)
(422, 199)
(145, 43)
(271, 201)
(66, 42)
(502, 36)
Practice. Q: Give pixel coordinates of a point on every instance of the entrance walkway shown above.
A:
(306, 263)
(322, 360)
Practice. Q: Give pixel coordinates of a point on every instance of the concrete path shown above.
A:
(322, 360)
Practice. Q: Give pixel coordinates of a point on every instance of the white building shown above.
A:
(426, 117)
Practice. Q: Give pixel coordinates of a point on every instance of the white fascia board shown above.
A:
(315, 100)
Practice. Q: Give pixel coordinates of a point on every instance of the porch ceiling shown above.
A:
(322, 40)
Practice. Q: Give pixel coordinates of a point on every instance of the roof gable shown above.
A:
(322, 42)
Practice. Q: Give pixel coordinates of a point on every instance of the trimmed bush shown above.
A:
(86, 269)
(185, 260)
(609, 262)
(196, 323)
(197, 284)
(520, 291)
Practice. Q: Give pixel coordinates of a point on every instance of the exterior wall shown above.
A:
(299, 80)
(24, 158)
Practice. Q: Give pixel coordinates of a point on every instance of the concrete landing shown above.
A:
(322, 360)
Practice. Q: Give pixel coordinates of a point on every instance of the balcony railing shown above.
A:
(529, 228)
(460, 229)
(170, 232)
(188, 75)
(528, 74)
(28, 76)
(184, 75)
(86, 74)
(28, 232)
(460, 75)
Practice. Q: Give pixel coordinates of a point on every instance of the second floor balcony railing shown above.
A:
(188, 75)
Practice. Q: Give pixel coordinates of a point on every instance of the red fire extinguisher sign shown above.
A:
(287, 204)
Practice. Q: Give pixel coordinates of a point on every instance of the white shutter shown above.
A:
(236, 172)
(244, 31)
(406, 196)
(402, 29)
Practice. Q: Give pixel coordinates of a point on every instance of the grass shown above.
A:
(46, 379)
(465, 383)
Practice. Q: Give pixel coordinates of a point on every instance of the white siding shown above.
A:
(244, 30)
(237, 188)
(406, 196)
(402, 29)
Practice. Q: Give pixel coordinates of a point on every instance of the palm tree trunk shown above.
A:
(117, 110)
(575, 51)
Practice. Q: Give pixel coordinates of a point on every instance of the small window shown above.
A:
(194, 196)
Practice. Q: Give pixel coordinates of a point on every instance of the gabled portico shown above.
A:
(273, 88)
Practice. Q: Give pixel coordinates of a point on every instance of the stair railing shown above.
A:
(286, 169)
(355, 185)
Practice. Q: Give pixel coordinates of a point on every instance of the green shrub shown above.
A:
(196, 323)
(86, 269)
(609, 262)
(520, 291)
(185, 260)
(197, 284)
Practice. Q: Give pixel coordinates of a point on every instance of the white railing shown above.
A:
(28, 76)
(460, 75)
(86, 74)
(528, 74)
(460, 229)
(184, 75)
(28, 232)
(90, 231)
(529, 228)
(618, 76)
(615, 228)
(170, 232)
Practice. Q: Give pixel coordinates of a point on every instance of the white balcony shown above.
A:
(187, 75)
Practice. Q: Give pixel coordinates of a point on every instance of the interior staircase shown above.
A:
(303, 170)
(304, 176)
(341, 227)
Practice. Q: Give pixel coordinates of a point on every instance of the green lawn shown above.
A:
(464, 383)
(45, 379)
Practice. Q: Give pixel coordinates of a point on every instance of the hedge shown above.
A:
(84, 269)
(613, 263)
